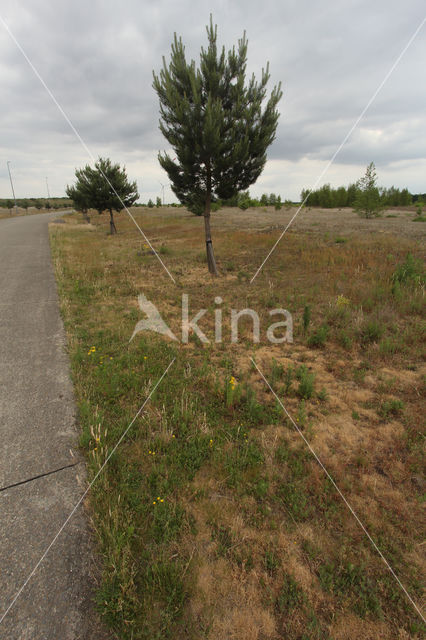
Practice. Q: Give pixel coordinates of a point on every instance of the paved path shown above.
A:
(38, 434)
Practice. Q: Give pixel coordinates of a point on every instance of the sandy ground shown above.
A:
(339, 222)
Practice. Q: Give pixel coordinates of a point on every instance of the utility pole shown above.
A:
(162, 188)
(11, 183)
(47, 185)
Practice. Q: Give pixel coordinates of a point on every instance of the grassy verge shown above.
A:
(212, 518)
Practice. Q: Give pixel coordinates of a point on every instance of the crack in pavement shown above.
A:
(40, 475)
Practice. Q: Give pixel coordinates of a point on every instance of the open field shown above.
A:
(212, 517)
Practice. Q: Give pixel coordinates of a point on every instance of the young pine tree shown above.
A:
(214, 122)
(368, 202)
(104, 188)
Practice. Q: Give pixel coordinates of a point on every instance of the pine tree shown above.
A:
(368, 202)
(214, 122)
(104, 188)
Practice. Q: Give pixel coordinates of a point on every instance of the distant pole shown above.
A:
(162, 189)
(11, 183)
(47, 185)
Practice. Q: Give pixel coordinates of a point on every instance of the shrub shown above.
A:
(371, 331)
(306, 382)
(306, 318)
(318, 338)
(409, 271)
(390, 408)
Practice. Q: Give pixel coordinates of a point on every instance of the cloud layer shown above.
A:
(97, 59)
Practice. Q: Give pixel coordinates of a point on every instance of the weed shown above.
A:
(409, 272)
(351, 581)
(271, 561)
(295, 500)
(322, 395)
(241, 459)
(223, 537)
(391, 346)
(277, 371)
(301, 415)
(288, 379)
(290, 596)
(306, 318)
(390, 408)
(371, 331)
(306, 382)
(344, 339)
(167, 520)
(319, 337)
(232, 392)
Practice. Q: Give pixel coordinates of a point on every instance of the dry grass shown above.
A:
(264, 549)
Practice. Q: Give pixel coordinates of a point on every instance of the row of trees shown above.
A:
(37, 203)
(327, 197)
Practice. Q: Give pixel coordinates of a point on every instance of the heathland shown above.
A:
(212, 518)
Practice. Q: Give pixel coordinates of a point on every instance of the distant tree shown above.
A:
(9, 204)
(150, 203)
(278, 203)
(79, 199)
(368, 202)
(264, 201)
(158, 203)
(406, 198)
(351, 191)
(341, 197)
(244, 200)
(215, 125)
(104, 188)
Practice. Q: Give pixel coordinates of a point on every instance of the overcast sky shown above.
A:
(97, 57)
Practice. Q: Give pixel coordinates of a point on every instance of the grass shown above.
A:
(212, 518)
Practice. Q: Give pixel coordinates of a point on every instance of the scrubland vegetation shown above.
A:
(212, 518)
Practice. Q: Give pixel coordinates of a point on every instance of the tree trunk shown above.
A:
(112, 223)
(211, 262)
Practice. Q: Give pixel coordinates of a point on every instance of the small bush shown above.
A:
(390, 408)
(344, 339)
(371, 331)
(319, 337)
(409, 272)
(322, 395)
(306, 382)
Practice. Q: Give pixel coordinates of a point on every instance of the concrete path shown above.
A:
(38, 435)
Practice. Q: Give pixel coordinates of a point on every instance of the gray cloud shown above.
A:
(97, 58)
